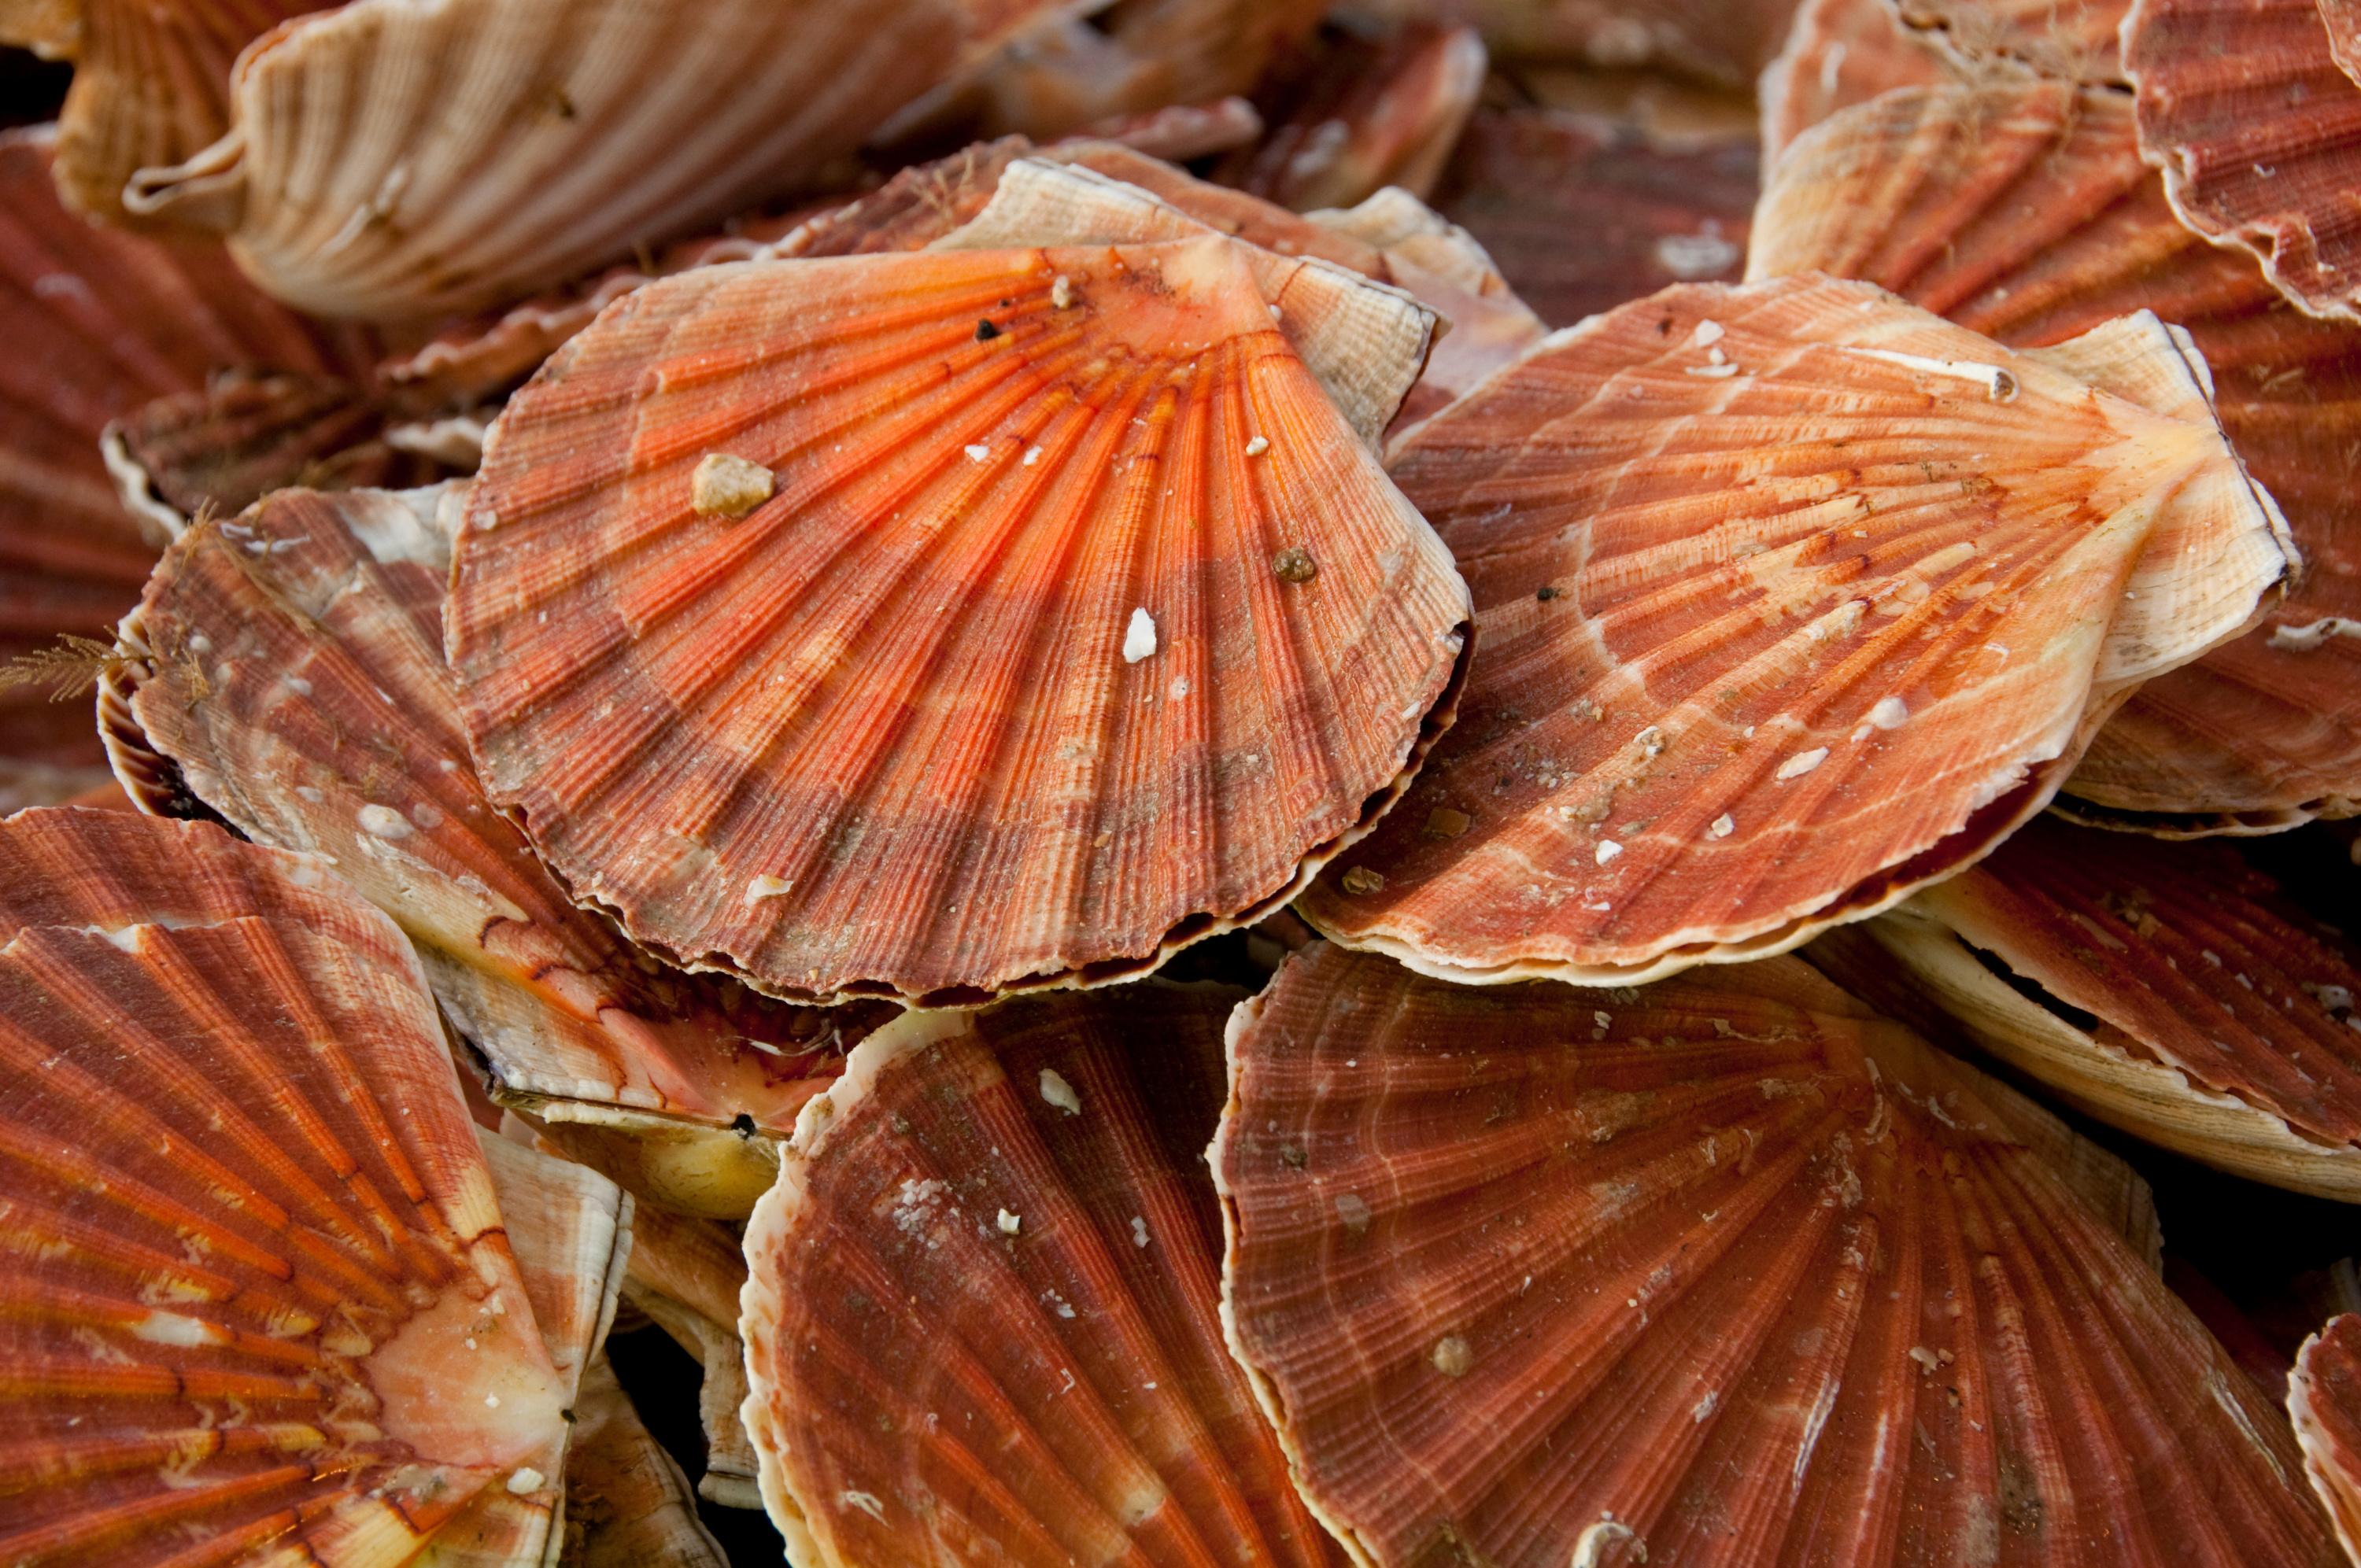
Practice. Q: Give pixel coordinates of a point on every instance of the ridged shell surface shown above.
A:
(151, 87)
(2325, 1402)
(2243, 107)
(288, 672)
(627, 1503)
(2168, 989)
(1724, 1270)
(261, 1305)
(2070, 40)
(982, 1321)
(1839, 53)
(98, 322)
(395, 157)
(1792, 597)
(1011, 679)
(2024, 212)
(1652, 211)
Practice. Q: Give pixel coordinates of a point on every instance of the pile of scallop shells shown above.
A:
(1513, 783)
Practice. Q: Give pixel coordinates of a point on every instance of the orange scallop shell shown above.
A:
(984, 1319)
(1724, 1270)
(1008, 683)
(287, 672)
(2242, 105)
(2195, 1006)
(261, 1301)
(2325, 1401)
(1651, 210)
(98, 322)
(2025, 213)
(1794, 597)
(1839, 53)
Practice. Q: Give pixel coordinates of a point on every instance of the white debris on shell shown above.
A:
(1707, 334)
(1700, 255)
(1997, 383)
(913, 1204)
(1139, 1231)
(1723, 827)
(1802, 763)
(1062, 292)
(1257, 447)
(977, 452)
(1608, 849)
(1139, 637)
(1032, 456)
(1009, 1223)
(1354, 1210)
(765, 886)
(1059, 1093)
(527, 1479)
(726, 485)
(384, 822)
(2305, 639)
(1889, 712)
(866, 1502)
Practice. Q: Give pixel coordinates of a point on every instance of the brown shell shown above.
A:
(2025, 213)
(97, 322)
(2241, 104)
(2168, 989)
(627, 1503)
(1357, 114)
(2325, 1401)
(984, 1319)
(1722, 537)
(574, 130)
(151, 87)
(893, 770)
(1650, 209)
(260, 1292)
(287, 672)
(1724, 1270)
(2066, 40)
(244, 435)
(1839, 53)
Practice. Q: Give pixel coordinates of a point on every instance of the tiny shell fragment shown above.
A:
(724, 486)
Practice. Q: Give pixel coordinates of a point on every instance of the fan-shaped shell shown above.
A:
(1795, 598)
(982, 1317)
(2242, 105)
(1360, 113)
(1838, 53)
(1722, 1270)
(260, 1297)
(1650, 209)
(2325, 1401)
(286, 670)
(394, 158)
(944, 716)
(151, 87)
(2026, 213)
(2165, 988)
(97, 322)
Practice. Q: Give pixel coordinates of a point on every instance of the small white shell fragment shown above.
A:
(1062, 292)
(1059, 1093)
(977, 452)
(1707, 334)
(1453, 1356)
(1139, 1231)
(1257, 447)
(765, 886)
(1998, 384)
(1888, 712)
(1802, 763)
(1608, 849)
(2304, 639)
(726, 485)
(866, 1502)
(1032, 456)
(1009, 1223)
(383, 822)
(1723, 827)
(1139, 637)
(527, 1479)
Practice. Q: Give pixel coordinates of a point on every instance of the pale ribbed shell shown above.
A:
(1004, 684)
(2164, 988)
(627, 1505)
(97, 322)
(1839, 53)
(2325, 1402)
(2242, 105)
(1723, 1271)
(1792, 597)
(2024, 212)
(261, 1295)
(394, 158)
(288, 672)
(984, 1316)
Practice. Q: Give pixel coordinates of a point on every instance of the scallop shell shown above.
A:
(1651, 210)
(1839, 53)
(2325, 1401)
(286, 671)
(244, 435)
(1147, 729)
(1723, 1270)
(2242, 105)
(982, 1319)
(627, 1503)
(2025, 213)
(2166, 988)
(686, 1274)
(98, 322)
(263, 1295)
(2066, 40)
(1357, 114)
(1795, 598)
(151, 87)
(336, 197)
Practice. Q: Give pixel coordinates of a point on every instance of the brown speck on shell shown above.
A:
(1362, 879)
(1294, 564)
